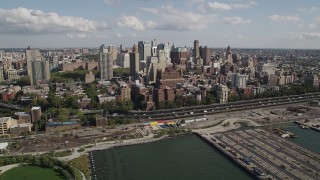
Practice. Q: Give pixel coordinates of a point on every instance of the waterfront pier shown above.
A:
(265, 155)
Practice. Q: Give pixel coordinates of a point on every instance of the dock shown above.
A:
(266, 155)
(315, 127)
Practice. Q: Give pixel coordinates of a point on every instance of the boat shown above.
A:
(303, 126)
(283, 133)
(259, 172)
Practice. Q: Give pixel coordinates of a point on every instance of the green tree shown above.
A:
(63, 114)
(210, 99)
(178, 101)
(232, 98)
(24, 81)
(71, 102)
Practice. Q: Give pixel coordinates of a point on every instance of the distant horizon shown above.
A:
(61, 48)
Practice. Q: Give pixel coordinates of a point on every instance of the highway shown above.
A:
(218, 108)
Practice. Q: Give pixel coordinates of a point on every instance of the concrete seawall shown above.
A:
(235, 160)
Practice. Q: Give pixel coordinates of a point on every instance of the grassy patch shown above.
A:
(59, 154)
(77, 173)
(82, 163)
(31, 173)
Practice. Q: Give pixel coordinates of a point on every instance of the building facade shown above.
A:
(35, 113)
(106, 65)
(5, 124)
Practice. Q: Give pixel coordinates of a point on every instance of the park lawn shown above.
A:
(31, 173)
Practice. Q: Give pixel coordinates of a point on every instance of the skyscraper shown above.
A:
(38, 69)
(1, 54)
(144, 49)
(196, 53)
(134, 61)
(112, 49)
(206, 55)
(229, 56)
(1, 74)
(105, 64)
(32, 55)
(166, 48)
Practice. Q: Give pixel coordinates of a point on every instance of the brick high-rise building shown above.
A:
(125, 93)
(206, 55)
(229, 56)
(134, 62)
(179, 56)
(169, 77)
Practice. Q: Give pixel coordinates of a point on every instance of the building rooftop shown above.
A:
(4, 145)
(35, 108)
(4, 119)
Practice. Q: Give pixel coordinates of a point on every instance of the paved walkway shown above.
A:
(110, 144)
(234, 124)
(8, 167)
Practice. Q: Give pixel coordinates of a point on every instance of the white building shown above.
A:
(3, 146)
(105, 64)
(269, 69)
(238, 80)
(124, 60)
(222, 93)
(5, 124)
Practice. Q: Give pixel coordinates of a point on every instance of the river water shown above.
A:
(178, 158)
(307, 138)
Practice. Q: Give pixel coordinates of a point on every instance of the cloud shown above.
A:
(109, 1)
(312, 26)
(76, 35)
(174, 19)
(235, 20)
(219, 6)
(151, 24)
(24, 21)
(149, 10)
(306, 35)
(283, 19)
(131, 22)
(240, 37)
(185, 21)
(308, 10)
(227, 7)
(119, 35)
(192, 2)
(315, 24)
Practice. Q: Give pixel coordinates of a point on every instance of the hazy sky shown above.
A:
(90, 23)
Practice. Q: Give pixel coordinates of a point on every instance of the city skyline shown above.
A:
(216, 23)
